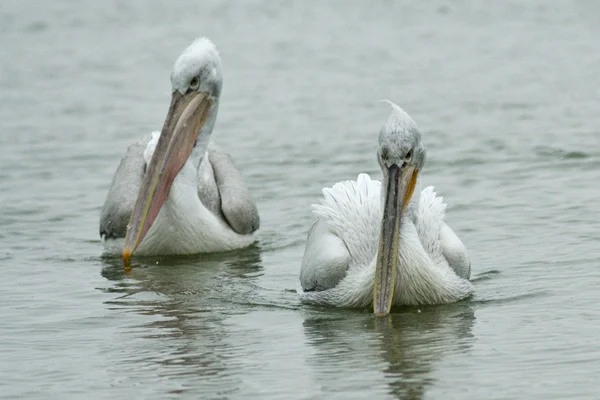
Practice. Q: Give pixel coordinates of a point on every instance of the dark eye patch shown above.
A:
(385, 151)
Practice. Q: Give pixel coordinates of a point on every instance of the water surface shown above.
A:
(506, 95)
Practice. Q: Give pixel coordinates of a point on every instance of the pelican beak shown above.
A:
(399, 188)
(187, 114)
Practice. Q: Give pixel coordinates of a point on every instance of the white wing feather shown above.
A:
(352, 211)
(350, 216)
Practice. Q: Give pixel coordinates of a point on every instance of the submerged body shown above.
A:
(372, 240)
(338, 267)
(176, 191)
(198, 215)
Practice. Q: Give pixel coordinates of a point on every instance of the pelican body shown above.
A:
(373, 244)
(177, 192)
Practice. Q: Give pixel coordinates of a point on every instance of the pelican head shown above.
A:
(401, 155)
(196, 82)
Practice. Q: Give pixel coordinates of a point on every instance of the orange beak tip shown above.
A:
(126, 255)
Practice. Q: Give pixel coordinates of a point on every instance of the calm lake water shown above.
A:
(507, 96)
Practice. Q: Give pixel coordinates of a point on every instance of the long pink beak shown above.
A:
(187, 114)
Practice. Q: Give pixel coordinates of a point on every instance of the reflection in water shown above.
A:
(202, 282)
(404, 347)
(246, 259)
(184, 301)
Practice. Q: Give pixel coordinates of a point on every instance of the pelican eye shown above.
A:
(194, 83)
(408, 155)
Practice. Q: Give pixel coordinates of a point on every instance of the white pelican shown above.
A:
(356, 255)
(177, 192)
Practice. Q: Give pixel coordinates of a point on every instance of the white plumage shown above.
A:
(177, 192)
(183, 225)
(338, 267)
(351, 211)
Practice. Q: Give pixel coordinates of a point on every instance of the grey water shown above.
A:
(506, 95)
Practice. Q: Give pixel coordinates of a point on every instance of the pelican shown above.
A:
(177, 192)
(377, 247)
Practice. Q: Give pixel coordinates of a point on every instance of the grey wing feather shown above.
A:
(455, 252)
(123, 191)
(208, 192)
(326, 259)
(237, 204)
